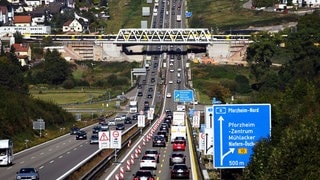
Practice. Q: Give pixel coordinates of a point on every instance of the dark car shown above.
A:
(149, 96)
(143, 174)
(163, 134)
(96, 129)
(128, 120)
(150, 89)
(158, 141)
(120, 126)
(164, 127)
(140, 93)
(180, 171)
(81, 135)
(94, 139)
(178, 81)
(177, 158)
(135, 117)
(102, 120)
(167, 121)
(27, 173)
(74, 130)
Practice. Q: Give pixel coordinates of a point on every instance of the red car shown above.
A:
(179, 145)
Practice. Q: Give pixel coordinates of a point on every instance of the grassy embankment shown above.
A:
(227, 15)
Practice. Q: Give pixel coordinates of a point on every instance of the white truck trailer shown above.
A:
(6, 152)
(178, 131)
(179, 18)
(179, 118)
(133, 107)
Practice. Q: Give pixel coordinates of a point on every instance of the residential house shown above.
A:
(22, 20)
(3, 15)
(23, 52)
(72, 26)
(14, 1)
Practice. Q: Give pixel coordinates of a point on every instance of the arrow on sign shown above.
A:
(231, 150)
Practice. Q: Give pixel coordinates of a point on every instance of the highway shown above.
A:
(54, 158)
(172, 68)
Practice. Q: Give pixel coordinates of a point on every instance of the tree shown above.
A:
(259, 55)
(11, 74)
(18, 37)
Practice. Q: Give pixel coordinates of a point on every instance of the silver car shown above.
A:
(28, 173)
(177, 158)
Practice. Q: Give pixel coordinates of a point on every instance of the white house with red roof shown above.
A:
(72, 26)
(23, 52)
(22, 20)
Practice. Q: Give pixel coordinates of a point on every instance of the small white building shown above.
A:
(72, 26)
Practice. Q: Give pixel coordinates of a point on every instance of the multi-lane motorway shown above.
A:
(54, 158)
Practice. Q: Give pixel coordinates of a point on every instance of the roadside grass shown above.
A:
(126, 14)
(224, 15)
(24, 140)
(63, 96)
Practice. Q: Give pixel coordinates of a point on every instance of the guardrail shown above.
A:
(91, 174)
(101, 165)
(82, 163)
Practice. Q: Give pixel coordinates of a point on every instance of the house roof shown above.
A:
(67, 23)
(21, 47)
(3, 9)
(22, 19)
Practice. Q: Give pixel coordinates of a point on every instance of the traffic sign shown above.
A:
(183, 96)
(202, 137)
(115, 134)
(104, 140)
(141, 120)
(115, 139)
(188, 14)
(237, 127)
(150, 114)
(196, 119)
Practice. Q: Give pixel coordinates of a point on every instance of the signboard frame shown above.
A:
(237, 127)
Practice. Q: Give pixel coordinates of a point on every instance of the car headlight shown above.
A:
(33, 177)
(18, 177)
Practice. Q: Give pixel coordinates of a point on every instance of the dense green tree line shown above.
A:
(17, 108)
(292, 151)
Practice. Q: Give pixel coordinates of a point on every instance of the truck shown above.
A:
(178, 18)
(178, 118)
(133, 106)
(6, 152)
(178, 131)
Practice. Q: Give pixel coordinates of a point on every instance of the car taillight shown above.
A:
(141, 161)
(135, 178)
(150, 178)
(153, 161)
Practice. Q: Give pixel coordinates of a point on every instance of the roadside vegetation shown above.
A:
(292, 89)
(293, 92)
(227, 15)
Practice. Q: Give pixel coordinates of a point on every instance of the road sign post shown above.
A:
(237, 127)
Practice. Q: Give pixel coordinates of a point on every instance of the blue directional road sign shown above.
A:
(183, 96)
(188, 14)
(236, 128)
